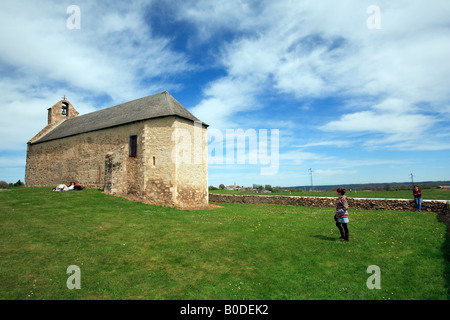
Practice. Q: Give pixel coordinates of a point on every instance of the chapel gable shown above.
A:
(62, 110)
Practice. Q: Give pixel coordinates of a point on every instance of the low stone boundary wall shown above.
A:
(436, 206)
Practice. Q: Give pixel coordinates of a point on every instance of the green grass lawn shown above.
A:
(428, 194)
(130, 250)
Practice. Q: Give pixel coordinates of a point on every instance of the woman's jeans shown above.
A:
(418, 202)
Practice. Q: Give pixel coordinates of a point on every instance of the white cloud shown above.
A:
(333, 172)
(296, 157)
(400, 125)
(326, 50)
(224, 98)
(211, 17)
(332, 143)
(111, 53)
(348, 163)
(114, 55)
(384, 122)
(12, 162)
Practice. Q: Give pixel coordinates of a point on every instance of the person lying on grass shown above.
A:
(72, 186)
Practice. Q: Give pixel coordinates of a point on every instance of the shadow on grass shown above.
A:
(321, 237)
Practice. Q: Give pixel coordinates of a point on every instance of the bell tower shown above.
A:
(60, 111)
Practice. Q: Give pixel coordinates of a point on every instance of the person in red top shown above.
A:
(417, 198)
(341, 215)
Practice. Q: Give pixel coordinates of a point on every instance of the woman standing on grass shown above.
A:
(417, 197)
(341, 215)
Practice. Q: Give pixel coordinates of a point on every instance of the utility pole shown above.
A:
(412, 179)
(310, 173)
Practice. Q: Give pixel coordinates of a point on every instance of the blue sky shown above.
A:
(354, 103)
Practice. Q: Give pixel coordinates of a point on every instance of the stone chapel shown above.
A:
(150, 148)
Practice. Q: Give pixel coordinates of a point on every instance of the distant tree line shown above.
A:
(350, 188)
(259, 188)
(4, 184)
(388, 187)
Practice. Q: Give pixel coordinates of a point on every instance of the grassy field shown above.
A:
(129, 250)
(428, 194)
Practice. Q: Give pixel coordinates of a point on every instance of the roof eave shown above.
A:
(118, 125)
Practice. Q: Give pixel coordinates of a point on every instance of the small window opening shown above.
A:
(65, 109)
(154, 161)
(133, 145)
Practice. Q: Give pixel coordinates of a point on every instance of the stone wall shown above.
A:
(115, 170)
(159, 170)
(80, 158)
(437, 206)
(192, 171)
